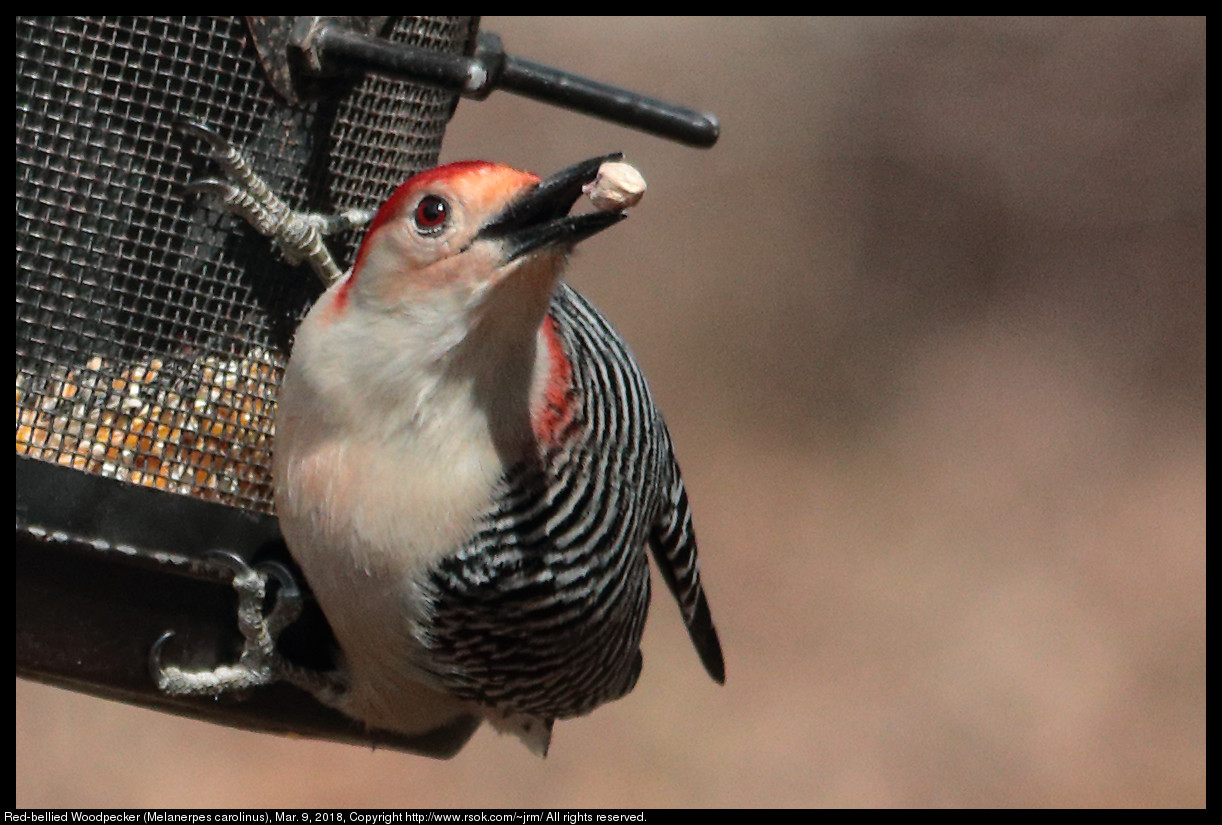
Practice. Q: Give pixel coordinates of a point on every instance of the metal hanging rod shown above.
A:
(326, 44)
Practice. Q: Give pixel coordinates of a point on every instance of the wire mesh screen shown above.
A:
(152, 329)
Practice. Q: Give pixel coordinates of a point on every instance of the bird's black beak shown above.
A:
(540, 217)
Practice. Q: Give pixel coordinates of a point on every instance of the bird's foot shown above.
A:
(259, 663)
(299, 235)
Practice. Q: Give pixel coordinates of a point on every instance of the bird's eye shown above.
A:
(431, 214)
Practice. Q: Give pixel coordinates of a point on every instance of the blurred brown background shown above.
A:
(928, 325)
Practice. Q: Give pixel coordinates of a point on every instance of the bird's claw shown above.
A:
(219, 144)
(156, 668)
(299, 235)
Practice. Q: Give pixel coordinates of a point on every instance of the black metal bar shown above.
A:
(543, 83)
(450, 71)
(490, 68)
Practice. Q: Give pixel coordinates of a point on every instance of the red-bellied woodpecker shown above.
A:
(469, 465)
